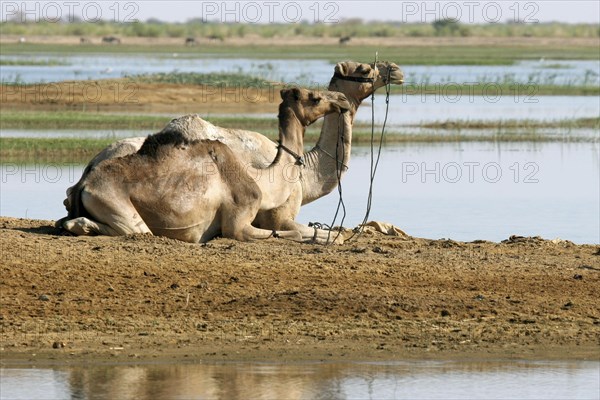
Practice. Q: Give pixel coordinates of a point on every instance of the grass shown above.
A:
(32, 63)
(82, 150)
(93, 121)
(352, 27)
(405, 55)
(493, 89)
(47, 120)
(194, 78)
(42, 149)
(77, 120)
(577, 123)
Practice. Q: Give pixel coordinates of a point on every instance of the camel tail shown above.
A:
(77, 208)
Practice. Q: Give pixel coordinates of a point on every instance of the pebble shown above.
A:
(43, 297)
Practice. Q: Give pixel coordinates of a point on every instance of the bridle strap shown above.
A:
(298, 157)
(353, 78)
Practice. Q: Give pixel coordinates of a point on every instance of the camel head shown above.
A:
(360, 80)
(310, 105)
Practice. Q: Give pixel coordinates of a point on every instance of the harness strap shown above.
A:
(299, 160)
(353, 78)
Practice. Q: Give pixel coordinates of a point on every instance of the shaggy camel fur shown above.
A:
(319, 175)
(194, 190)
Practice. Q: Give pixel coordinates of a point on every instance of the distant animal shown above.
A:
(215, 37)
(345, 39)
(22, 40)
(84, 40)
(111, 40)
(190, 41)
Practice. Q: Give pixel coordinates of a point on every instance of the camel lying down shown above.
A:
(193, 190)
(322, 168)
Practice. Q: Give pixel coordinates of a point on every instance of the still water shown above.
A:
(406, 110)
(393, 380)
(463, 191)
(100, 66)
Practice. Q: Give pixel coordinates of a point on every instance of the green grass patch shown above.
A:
(577, 123)
(82, 150)
(63, 120)
(405, 55)
(32, 63)
(352, 27)
(493, 90)
(194, 78)
(69, 120)
(42, 149)
(78, 120)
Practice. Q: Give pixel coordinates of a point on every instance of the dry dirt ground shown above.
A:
(124, 96)
(67, 299)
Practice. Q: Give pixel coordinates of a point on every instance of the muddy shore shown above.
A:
(142, 298)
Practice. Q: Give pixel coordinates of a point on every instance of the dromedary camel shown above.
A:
(194, 190)
(320, 174)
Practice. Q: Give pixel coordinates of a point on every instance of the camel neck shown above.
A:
(278, 180)
(291, 135)
(329, 157)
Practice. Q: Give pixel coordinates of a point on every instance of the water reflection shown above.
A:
(392, 380)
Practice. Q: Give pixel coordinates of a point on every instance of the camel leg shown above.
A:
(251, 233)
(236, 224)
(85, 227)
(312, 235)
(117, 214)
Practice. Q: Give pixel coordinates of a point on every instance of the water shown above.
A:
(404, 110)
(96, 66)
(390, 380)
(469, 191)
(103, 66)
(463, 191)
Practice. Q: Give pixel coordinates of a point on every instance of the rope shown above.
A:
(374, 161)
(373, 166)
(338, 170)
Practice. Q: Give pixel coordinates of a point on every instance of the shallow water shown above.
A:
(405, 110)
(101, 66)
(463, 191)
(389, 380)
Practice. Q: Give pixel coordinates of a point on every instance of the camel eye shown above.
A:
(363, 69)
(316, 100)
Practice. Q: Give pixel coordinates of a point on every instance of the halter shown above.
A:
(297, 157)
(361, 79)
(353, 78)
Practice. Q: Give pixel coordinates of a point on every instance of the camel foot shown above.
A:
(59, 223)
(79, 226)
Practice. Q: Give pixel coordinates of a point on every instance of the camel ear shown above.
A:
(341, 68)
(293, 93)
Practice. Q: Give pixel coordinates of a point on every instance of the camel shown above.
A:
(320, 173)
(195, 190)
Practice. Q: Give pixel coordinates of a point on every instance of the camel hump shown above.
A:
(192, 127)
(155, 142)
